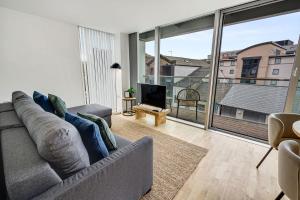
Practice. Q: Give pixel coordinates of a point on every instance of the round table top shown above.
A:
(129, 98)
(296, 128)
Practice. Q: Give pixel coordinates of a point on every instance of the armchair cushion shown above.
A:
(280, 127)
(288, 168)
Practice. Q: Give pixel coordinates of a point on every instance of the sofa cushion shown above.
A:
(17, 95)
(43, 101)
(107, 136)
(58, 104)
(91, 137)
(57, 141)
(7, 106)
(121, 142)
(95, 109)
(26, 173)
(9, 119)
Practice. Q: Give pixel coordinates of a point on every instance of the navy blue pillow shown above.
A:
(43, 101)
(90, 135)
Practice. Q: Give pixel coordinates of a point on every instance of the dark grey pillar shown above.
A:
(133, 59)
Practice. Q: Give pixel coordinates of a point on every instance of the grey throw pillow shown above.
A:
(57, 141)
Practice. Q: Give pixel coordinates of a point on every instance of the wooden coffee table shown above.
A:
(159, 114)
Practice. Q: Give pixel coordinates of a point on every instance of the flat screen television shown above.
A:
(153, 95)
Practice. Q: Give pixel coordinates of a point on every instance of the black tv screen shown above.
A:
(153, 95)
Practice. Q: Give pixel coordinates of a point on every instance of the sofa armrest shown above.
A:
(126, 174)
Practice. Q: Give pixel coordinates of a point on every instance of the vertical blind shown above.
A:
(97, 55)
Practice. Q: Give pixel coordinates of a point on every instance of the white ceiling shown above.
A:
(119, 15)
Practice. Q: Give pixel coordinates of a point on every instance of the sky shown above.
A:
(235, 37)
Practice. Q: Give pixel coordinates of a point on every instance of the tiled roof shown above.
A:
(180, 61)
(188, 61)
(258, 98)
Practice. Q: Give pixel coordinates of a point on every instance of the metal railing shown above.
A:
(200, 83)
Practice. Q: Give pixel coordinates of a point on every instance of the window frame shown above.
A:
(276, 60)
(275, 71)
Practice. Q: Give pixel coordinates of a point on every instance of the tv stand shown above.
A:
(158, 113)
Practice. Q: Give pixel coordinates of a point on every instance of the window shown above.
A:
(232, 63)
(277, 60)
(231, 71)
(221, 63)
(250, 80)
(275, 72)
(273, 82)
(146, 60)
(184, 49)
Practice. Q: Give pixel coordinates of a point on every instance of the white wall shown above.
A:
(39, 54)
(122, 57)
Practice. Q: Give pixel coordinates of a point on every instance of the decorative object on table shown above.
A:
(131, 91)
(280, 128)
(127, 112)
(126, 94)
(115, 67)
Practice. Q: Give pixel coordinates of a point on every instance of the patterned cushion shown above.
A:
(107, 135)
(57, 141)
(90, 135)
(58, 104)
(43, 101)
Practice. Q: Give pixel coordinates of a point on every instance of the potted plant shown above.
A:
(131, 92)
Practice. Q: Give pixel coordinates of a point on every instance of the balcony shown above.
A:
(241, 105)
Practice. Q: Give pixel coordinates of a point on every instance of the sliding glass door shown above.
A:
(229, 70)
(255, 66)
(185, 67)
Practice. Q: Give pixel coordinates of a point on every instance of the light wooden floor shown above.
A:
(228, 171)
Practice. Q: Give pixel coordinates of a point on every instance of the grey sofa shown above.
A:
(95, 109)
(126, 174)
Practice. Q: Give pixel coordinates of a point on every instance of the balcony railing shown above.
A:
(232, 116)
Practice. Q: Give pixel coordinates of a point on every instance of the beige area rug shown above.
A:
(174, 160)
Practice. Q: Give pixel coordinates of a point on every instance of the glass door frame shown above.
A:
(293, 82)
(218, 28)
(215, 53)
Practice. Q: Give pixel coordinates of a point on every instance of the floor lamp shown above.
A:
(115, 67)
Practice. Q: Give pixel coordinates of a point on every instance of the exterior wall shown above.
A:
(224, 71)
(264, 51)
(285, 68)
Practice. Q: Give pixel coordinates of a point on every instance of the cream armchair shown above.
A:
(288, 169)
(280, 129)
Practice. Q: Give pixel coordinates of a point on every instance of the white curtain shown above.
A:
(97, 55)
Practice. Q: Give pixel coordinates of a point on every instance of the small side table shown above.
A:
(127, 112)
